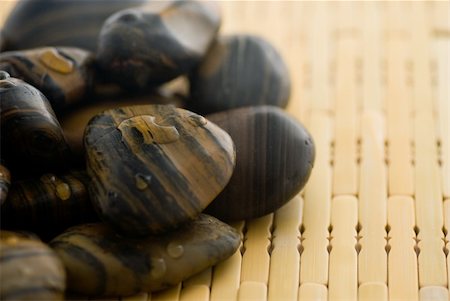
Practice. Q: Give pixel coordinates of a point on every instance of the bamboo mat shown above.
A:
(371, 83)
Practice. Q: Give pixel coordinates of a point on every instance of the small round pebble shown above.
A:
(238, 71)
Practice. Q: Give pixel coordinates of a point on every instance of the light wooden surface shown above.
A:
(371, 82)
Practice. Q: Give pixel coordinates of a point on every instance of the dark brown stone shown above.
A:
(101, 263)
(274, 158)
(238, 71)
(156, 42)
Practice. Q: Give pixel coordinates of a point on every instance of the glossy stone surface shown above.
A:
(274, 158)
(5, 182)
(101, 263)
(48, 204)
(238, 71)
(29, 269)
(74, 23)
(154, 167)
(32, 139)
(156, 42)
(74, 122)
(63, 74)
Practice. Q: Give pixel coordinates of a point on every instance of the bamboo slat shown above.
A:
(434, 293)
(373, 291)
(342, 282)
(372, 259)
(442, 50)
(312, 292)
(195, 293)
(319, 52)
(429, 214)
(170, 294)
(398, 115)
(345, 173)
(402, 259)
(285, 256)
(256, 258)
(252, 291)
(372, 98)
(317, 195)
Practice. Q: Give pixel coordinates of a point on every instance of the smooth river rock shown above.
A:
(154, 43)
(101, 263)
(155, 166)
(238, 71)
(274, 158)
(73, 23)
(29, 269)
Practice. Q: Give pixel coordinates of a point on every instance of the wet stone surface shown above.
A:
(154, 167)
(119, 266)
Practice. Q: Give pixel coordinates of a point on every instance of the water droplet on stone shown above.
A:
(56, 62)
(175, 250)
(4, 75)
(12, 240)
(142, 181)
(197, 120)
(63, 191)
(26, 271)
(158, 267)
(48, 178)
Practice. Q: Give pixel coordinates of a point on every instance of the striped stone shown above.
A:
(153, 167)
(101, 263)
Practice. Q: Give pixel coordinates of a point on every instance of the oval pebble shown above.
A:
(32, 139)
(48, 204)
(74, 23)
(274, 158)
(154, 167)
(63, 74)
(238, 71)
(101, 263)
(29, 269)
(156, 42)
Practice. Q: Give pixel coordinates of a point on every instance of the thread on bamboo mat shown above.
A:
(417, 240)
(358, 151)
(270, 247)
(300, 247)
(244, 239)
(439, 151)
(387, 238)
(358, 237)
(332, 143)
(446, 241)
(386, 152)
(330, 238)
